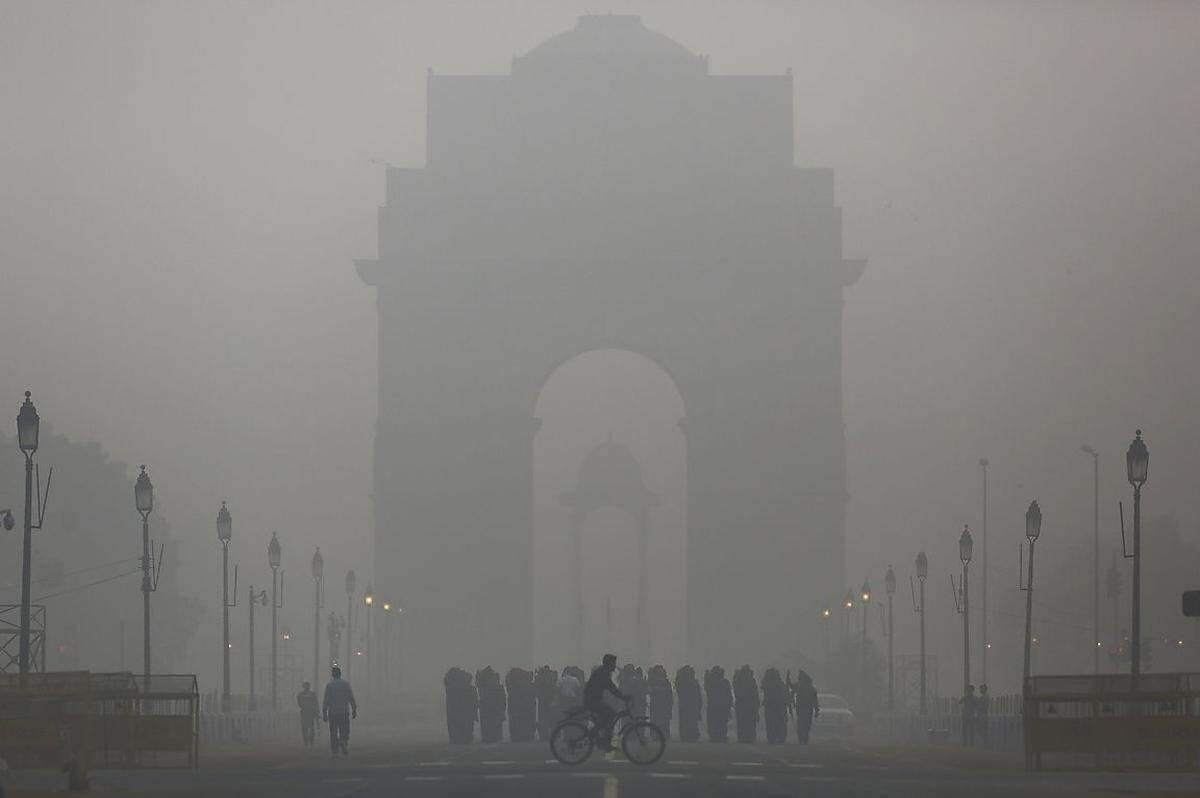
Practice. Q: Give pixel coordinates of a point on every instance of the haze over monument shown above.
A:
(611, 193)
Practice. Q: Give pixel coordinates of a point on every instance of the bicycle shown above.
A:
(574, 738)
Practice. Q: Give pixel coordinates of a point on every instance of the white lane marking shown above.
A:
(422, 778)
(433, 764)
(803, 765)
(504, 775)
(670, 775)
(499, 762)
(682, 762)
(551, 761)
(746, 764)
(745, 778)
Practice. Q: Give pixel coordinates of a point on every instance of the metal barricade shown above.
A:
(1113, 721)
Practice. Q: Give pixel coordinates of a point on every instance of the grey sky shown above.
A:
(184, 186)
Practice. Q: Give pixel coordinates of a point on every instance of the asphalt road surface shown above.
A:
(427, 770)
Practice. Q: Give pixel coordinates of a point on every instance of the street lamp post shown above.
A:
(318, 573)
(848, 605)
(862, 652)
(255, 598)
(334, 630)
(224, 534)
(368, 600)
(965, 546)
(1095, 555)
(889, 583)
(983, 616)
(28, 423)
(826, 619)
(1137, 466)
(385, 651)
(351, 587)
(274, 557)
(922, 575)
(143, 499)
(1033, 530)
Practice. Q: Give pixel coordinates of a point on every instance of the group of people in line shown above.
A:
(533, 702)
(337, 708)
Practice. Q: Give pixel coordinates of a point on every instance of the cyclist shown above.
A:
(598, 685)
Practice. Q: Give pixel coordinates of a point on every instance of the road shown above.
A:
(378, 767)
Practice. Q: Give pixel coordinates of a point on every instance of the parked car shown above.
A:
(836, 720)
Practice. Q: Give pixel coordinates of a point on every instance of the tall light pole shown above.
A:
(1033, 530)
(983, 629)
(922, 575)
(865, 595)
(1095, 555)
(826, 620)
(143, 499)
(224, 534)
(351, 587)
(334, 630)
(28, 423)
(1137, 467)
(965, 547)
(889, 584)
(385, 651)
(848, 606)
(318, 574)
(255, 598)
(368, 600)
(274, 557)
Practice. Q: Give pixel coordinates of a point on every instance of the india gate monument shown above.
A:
(609, 194)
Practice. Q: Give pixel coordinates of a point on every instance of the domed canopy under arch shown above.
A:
(610, 476)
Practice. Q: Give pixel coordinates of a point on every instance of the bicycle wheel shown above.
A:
(570, 742)
(643, 743)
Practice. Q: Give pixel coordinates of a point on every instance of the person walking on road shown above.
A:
(970, 709)
(804, 694)
(306, 699)
(981, 715)
(337, 708)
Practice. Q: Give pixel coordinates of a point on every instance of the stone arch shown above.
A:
(591, 491)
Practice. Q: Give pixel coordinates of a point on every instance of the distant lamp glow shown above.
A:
(369, 596)
(826, 612)
(387, 606)
(866, 591)
(849, 600)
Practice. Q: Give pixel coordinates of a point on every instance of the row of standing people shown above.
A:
(534, 701)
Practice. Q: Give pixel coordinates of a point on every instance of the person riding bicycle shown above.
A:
(594, 692)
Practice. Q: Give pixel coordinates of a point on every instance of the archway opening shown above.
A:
(609, 513)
